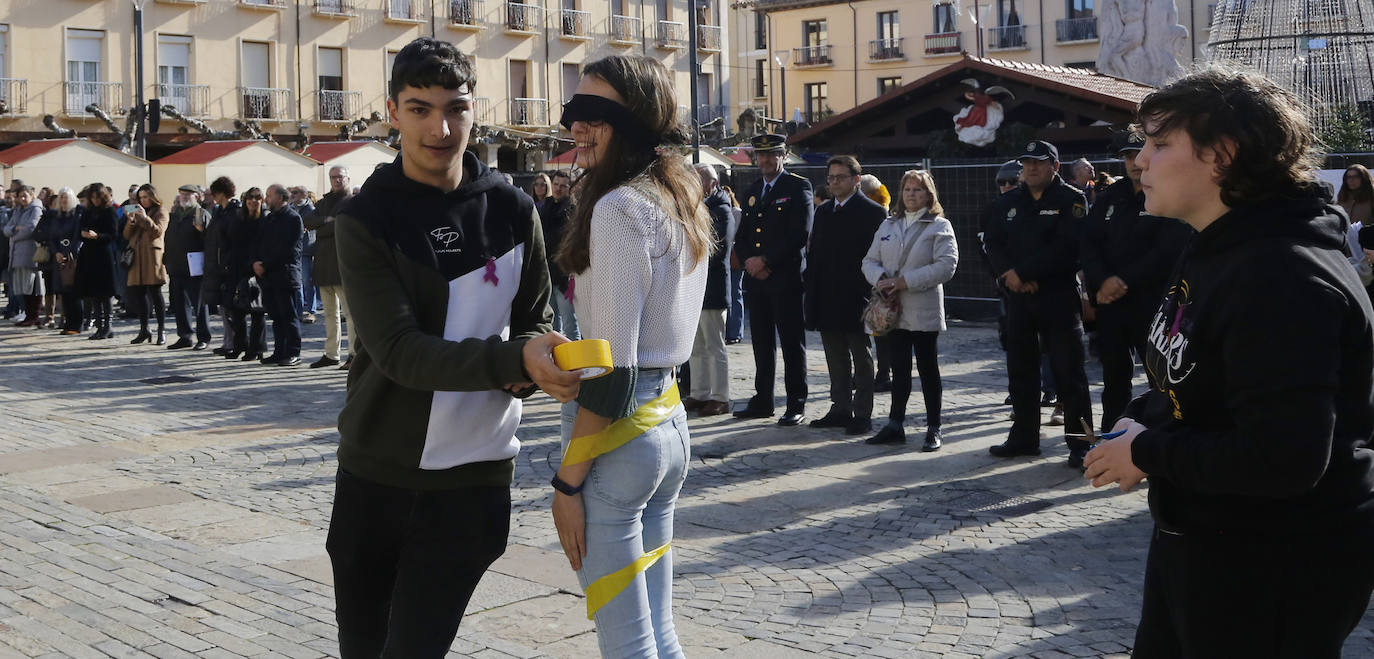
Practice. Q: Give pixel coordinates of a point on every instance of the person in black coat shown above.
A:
(61, 233)
(95, 263)
(186, 236)
(218, 267)
(1127, 257)
(553, 216)
(769, 245)
(243, 294)
(709, 366)
(277, 265)
(837, 291)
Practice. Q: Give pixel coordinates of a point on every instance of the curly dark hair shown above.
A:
(223, 185)
(428, 62)
(1259, 130)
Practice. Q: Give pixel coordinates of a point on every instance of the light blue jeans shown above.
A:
(564, 319)
(629, 498)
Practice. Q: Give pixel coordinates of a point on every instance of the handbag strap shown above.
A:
(909, 246)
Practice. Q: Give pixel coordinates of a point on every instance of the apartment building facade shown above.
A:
(313, 66)
(810, 59)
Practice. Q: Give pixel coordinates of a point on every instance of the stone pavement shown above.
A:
(171, 504)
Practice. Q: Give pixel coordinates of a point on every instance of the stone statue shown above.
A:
(1141, 40)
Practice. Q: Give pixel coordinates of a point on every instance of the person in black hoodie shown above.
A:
(1256, 434)
(277, 265)
(1127, 257)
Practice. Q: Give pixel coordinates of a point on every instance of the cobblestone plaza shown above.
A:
(171, 504)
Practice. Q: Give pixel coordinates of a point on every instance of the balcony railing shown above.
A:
(573, 22)
(1009, 37)
(405, 11)
(265, 103)
(625, 30)
(522, 17)
(182, 2)
(708, 38)
(890, 49)
(341, 8)
(671, 34)
(464, 12)
(14, 96)
(190, 100)
(481, 110)
(108, 95)
(529, 112)
(814, 55)
(1076, 29)
(263, 4)
(943, 43)
(708, 113)
(339, 105)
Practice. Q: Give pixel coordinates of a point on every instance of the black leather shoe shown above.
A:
(792, 418)
(270, 359)
(888, 435)
(755, 409)
(232, 354)
(1076, 459)
(289, 361)
(859, 427)
(141, 337)
(1010, 450)
(933, 440)
(251, 357)
(832, 419)
(180, 343)
(219, 351)
(882, 386)
(200, 345)
(324, 361)
(1048, 400)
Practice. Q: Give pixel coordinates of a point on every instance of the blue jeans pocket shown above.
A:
(629, 475)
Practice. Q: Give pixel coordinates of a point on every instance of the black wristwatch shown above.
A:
(562, 486)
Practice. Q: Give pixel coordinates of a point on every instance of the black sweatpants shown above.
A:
(1219, 596)
(902, 344)
(407, 561)
(1121, 330)
(1054, 316)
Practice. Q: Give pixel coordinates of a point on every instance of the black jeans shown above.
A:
(1052, 315)
(248, 339)
(1220, 596)
(777, 311)
(286, 325)
(902, 344)
(407, 561)
(1121, 330)
(185, 301)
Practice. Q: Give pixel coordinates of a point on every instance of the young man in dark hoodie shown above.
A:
(449, 294)
(1255, 435)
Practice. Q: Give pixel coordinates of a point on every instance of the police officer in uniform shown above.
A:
(1031, 236)
(1128, 256)
(769, 245)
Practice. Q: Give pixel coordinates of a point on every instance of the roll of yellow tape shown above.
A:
(592, 357)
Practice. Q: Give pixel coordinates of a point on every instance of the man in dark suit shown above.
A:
(769, 245)
(836, 293)
(277, 264)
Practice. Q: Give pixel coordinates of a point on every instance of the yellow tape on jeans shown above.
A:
(603, 590)
(650, 414)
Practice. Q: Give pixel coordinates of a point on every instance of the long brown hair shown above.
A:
(152, 194)
(1364, 193)
(648, 92)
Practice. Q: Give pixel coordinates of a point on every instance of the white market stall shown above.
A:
(360, 157)
(73, 163)
(248, 163)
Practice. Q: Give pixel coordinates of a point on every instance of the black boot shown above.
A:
(143, 334)
(161, 334)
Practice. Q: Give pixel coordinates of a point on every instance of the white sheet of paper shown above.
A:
(196, 261)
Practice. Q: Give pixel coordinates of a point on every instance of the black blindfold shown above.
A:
(589, 107)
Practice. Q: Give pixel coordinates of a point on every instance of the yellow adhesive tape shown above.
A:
(648, 415)
(603, 590)
(592, 357)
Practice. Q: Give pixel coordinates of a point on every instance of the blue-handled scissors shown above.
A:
(1093, 439)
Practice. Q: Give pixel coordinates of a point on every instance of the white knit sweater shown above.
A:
(643, 288)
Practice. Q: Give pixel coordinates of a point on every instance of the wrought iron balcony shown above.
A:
(339, 105)
(334, 8)
(1007, 37)
(943, 43)
(274, 5)
(529, 112)
(625, 30)
(1075, 29)
(405, 11)
(573, 23)
(671, 34)
(521, 17)
(814, 56)
(464, 12)
(189, 100)
(708, 38)
(108, 96)
(891, 49)
(481, 110)
(14, 96)
(265, 103)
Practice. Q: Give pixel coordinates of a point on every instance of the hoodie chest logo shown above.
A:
(443, 239)
(1169, 335)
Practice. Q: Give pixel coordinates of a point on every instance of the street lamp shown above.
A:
(782, 57)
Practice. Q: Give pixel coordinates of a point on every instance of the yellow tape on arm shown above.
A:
(603, 590)
(650, 414)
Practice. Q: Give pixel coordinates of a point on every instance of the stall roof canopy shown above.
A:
(29, 150)
(208, 152)
(1080, 89)
(326, 151)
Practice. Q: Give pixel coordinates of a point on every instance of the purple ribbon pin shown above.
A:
(491, 273)
(572, 283)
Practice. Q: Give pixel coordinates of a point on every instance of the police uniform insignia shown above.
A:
(1110, 210)
(1079, 210)
(1011, 214)
(1030, 146)
(751, 200)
